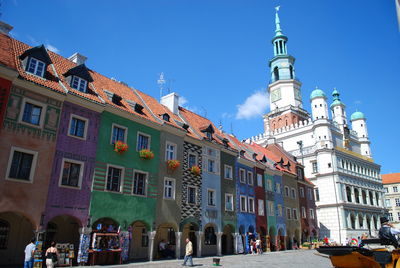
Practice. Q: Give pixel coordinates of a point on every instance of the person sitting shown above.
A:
(164, 250)
(387, 232)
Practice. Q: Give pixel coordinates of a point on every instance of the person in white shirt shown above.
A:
(29, 251)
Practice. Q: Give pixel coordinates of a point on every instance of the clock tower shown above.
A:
(284, 89)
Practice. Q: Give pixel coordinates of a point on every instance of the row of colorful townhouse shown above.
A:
(80, 151)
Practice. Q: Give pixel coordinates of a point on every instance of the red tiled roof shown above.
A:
(391, 178)
(277, 153)
(6, 52)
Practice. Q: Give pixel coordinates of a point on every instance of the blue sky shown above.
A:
(214, 53)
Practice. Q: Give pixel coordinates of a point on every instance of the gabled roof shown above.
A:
(391, 178)
(262, 155)
(6, 52)
(38, 52)
(277, 154)
(81, 71)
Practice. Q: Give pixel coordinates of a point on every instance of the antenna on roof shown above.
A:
(220, 125)
(205, 111)
(232, 128)
(170, 82)
(161, 83)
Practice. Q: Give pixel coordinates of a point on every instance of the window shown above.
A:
(293, 193)
(211, 197)
(270, 208)
(171, 236)
(259, 180)
(139, 183)
(286, 191)
(302, 192)
(386, 190)
(397, 200)
(169, 188)
(71, 174)
(311, 213)
(242, 175)
(278, 188)
(21, 164)
(210, 237)
(280, 210)
(118, 134)
(228, 202)
(303, 212)
(314, 167)
(191, 195)
(310, 195)
(395, 189)
(192, 160)
(211, 165)
(77, 126)
(145, 238)
(398, 215)
(288, 213)
(36, 67)
(170, 151)
(32, 114)
(390, 216)
(228, 172)
(79, 83)
(295, 214)
(348, 194)
(250, 178)
(316, 194)
(114, 176)
(260, 207)
(243, 204)
(209, 136)
(251, 205)
(143, 142)
(269, 185)
(387, 203)
(4, 233)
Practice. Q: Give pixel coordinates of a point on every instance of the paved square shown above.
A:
(283, 259)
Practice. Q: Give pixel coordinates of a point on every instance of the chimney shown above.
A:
(5, 28)
(78, 59)
(171, 101)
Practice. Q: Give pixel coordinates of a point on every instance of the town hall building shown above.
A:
(334, 150)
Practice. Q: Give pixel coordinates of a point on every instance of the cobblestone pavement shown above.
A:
(283, 259)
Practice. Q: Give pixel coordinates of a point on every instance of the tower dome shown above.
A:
(357, 115)
(317, 93)
(336, 99)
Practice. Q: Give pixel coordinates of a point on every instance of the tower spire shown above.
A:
(278, 30)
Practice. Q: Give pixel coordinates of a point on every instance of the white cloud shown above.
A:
(255, 105)
(226, 115)
(32, 41)
(182, 101)
(52, 48)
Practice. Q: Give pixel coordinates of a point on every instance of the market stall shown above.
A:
(105, 248)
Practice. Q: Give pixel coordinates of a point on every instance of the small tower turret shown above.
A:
(338, 109)
(319, 106)
(359, 124)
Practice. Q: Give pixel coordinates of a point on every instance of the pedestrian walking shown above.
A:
(189, 253)
(29, 251)
(258, 246)
(51, 255)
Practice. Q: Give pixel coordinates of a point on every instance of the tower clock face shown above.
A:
(276, 95)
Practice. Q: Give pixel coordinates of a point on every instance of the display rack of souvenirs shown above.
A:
(38, 254)
(66, 254)
(105, 246)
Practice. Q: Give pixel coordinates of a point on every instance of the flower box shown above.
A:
(120, 147)
(173, 164)
(146, 154)
(195, 170)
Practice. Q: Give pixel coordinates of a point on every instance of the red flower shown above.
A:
(195, 170)
(120, 147)
(146, 154)
(173, 164)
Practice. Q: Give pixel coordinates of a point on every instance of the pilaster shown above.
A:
(219, 243)
(151, 235)
(178, 236)
(199, 237)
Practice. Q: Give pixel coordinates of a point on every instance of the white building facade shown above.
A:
(336, 153)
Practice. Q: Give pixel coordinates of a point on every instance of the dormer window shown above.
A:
(209, 135)
(116, 99)
(225, 142)
(79, 84)
(36, 67)
(242, 152)
(165, 117)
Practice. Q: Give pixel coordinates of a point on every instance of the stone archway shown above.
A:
(16, 231)
(105, 224)
(272, 238)
(189, 231)
(166, 232)
(210, 240)
(263, 237)
(227, 242)
(139, 245)
(281, 239)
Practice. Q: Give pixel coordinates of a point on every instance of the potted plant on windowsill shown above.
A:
(195, 170)
(120, 147)
(146, 154)
(173, 164)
